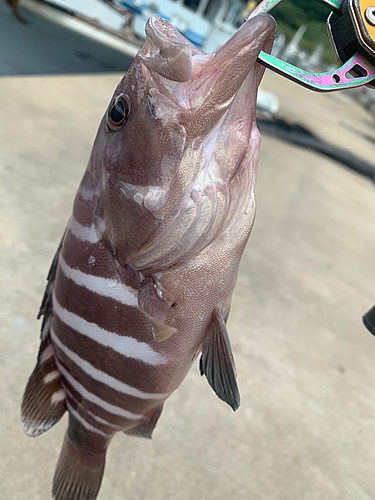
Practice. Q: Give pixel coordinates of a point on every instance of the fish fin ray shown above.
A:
(217, 362)
(146, 427)
(43, 403)
(155, 306)
(160, 330)
(46, 306)
(78, 473)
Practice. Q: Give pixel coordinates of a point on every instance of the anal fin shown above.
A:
(146, 427)
(217, 362)
(43, 402)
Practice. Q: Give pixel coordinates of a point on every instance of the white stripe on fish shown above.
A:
(102, 377)
(45, 329)
(101, 286)
(50, 376)
(46, 354)
(84, 233)
(99, 419)
(58, 396)
(115, 410)
(83, 421)
(86, 194)
(102, 420)
(127, 346)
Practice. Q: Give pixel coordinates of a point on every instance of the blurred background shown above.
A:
(305, 363)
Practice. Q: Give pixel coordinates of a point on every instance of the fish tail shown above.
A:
(78, 473)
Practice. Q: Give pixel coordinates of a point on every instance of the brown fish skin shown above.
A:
(143, 278)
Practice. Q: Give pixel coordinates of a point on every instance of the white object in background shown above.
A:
(267, 103)
(94, 9)
(292, 49)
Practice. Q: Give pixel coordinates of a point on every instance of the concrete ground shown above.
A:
(306, 371)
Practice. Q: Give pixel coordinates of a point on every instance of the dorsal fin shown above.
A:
(43, 402)
(217, 362)
(46, 305)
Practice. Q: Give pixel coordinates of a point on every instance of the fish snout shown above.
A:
(233, 61)
(166, 51)
(218, 77)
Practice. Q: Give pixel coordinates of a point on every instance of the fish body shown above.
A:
(143, 278)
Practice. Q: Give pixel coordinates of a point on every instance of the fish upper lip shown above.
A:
(237, 58)
(165, 28)
(249, 39)
(253, 30)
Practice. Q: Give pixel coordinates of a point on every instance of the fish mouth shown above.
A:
(217, 78)
(203, 86)
(168, 53)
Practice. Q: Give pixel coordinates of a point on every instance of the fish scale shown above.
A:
(143, 278)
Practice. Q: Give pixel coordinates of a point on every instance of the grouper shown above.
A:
(142, 281)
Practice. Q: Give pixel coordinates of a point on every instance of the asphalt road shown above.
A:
(43, 47)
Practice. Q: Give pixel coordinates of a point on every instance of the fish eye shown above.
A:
(118, 112)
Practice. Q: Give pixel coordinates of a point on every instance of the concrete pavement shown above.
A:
(305, 363)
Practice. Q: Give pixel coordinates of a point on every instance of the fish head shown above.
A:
(179, 121)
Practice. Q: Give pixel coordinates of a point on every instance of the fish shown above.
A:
(142, 281)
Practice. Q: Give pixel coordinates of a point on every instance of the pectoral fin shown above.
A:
(217, 362)
(161, 330)
(155, 307)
